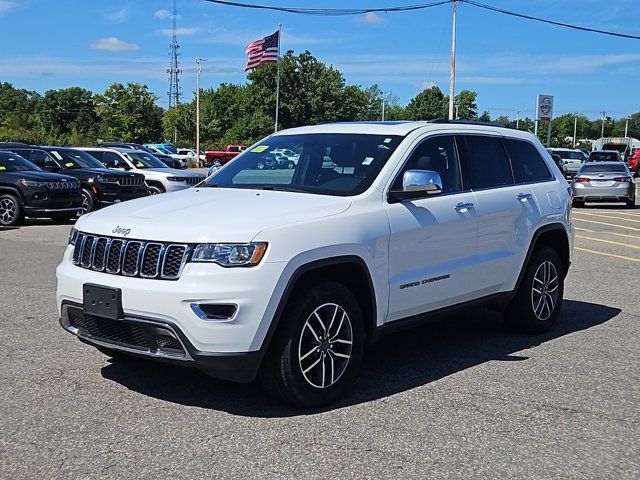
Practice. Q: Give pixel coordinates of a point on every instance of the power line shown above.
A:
(405, 8)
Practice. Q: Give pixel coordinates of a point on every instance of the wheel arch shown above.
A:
(13, 191)
(552, 235)
(349, 270)
(156, 183)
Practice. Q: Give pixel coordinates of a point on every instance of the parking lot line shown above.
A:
(608, 241)
(604, 232)
(606, 216)
(629, 214)
(596, 252)
(607, 224)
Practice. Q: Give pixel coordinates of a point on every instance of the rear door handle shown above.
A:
(463, 207)
(523, 197)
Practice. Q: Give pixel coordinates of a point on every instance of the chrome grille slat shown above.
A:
(130, 181)
(131, 258)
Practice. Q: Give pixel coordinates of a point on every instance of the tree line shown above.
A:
(311, 92)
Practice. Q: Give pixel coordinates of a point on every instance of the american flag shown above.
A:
(263, 50)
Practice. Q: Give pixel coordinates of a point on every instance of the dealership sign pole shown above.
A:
(544, 113)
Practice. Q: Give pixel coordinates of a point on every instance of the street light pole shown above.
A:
(626, 128)
(198, 72)
(452, 74)
(384, 99)
(517, 119)
(575, 130)
(602, 129)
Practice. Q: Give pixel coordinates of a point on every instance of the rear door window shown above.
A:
(485, 163)
(527, 163)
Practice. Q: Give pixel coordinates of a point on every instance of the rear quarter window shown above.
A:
(527, 163)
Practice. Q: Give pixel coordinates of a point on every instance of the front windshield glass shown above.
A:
(10, 162)
(75, 159)
(144, 160)
(322, 163)
(604, 157)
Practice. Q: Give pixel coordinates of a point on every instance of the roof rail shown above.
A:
(463, 121)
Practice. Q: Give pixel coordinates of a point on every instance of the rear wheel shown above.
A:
(317, 349)
(536, 305)
(11, 213)
(631, 203)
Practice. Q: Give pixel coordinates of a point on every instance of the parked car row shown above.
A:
(63, 182)
(571, 161)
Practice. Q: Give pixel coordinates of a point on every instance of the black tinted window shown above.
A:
(486, 164)
(527, 164)
(439, 155)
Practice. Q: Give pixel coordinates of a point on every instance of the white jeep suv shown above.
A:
(158, 176)
(287, 275)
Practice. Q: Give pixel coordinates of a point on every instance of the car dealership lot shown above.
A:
(459, 398)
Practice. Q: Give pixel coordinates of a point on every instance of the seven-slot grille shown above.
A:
(132, 258)
(191, 180)
(130, 181)
(62, 185)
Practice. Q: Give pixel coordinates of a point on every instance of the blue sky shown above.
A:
(56, 44)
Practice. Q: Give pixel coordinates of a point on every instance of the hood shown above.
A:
(199, 215)
(37, 176)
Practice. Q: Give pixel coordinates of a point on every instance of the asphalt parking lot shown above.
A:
(462, 398)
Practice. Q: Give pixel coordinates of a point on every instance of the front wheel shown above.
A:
(155, 190)
(88, 202)
(536, 304)
(11, 213)
(317, 348)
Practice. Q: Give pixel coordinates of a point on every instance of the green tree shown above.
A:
(465, 104)
(183, 121)
(18, 120)
(485, 117)
(68, 110)
(129, 113)
(427, 105)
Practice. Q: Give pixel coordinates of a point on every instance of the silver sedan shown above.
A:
(604, 181)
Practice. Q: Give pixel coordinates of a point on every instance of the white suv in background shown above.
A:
(158, 176)
(296, 271)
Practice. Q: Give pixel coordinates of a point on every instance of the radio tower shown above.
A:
(174, 68)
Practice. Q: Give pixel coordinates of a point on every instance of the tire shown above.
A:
(88, 202)
(155, 190)
(631, 203)
(525, 313)
(577, 204)
(11, 213)
(260, 166)
(292, 370)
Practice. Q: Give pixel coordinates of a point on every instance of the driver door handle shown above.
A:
(463, 207)
(523, 197)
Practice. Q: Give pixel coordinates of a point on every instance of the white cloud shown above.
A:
(179, 31)
(6, 5)
(370, 18)
(118, 14)
(114, 44)
(162, 14)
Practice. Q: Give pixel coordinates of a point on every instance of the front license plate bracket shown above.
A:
(102, 301)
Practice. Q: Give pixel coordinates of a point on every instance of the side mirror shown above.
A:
(417, 184)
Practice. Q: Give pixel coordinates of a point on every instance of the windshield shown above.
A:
(604, 157)
(144, 160)
(321, 163)
(75, 159)
(571, 155)
(10, 162)
(603, 168)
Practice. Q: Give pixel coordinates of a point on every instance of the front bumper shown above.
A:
(157, 340)
(253, 291)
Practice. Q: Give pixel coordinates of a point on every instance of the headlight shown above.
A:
(73, 236)
(230, 254)
(31, 183)
(103, 179)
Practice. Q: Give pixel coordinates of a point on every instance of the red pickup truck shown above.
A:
(223, 156)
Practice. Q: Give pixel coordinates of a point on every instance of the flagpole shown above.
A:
(278, 77)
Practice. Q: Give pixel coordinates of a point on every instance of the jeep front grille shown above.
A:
(131, 181)
(131, 258)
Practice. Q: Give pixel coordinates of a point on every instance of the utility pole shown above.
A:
(198, 72)
(603, 120)
(575, 131)
(517, 119)
(384, 99)
(626, 127)
(452, 74)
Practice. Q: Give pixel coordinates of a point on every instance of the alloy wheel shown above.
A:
(325, 345)
(85, 205)
(8, 211)
(544, 291)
